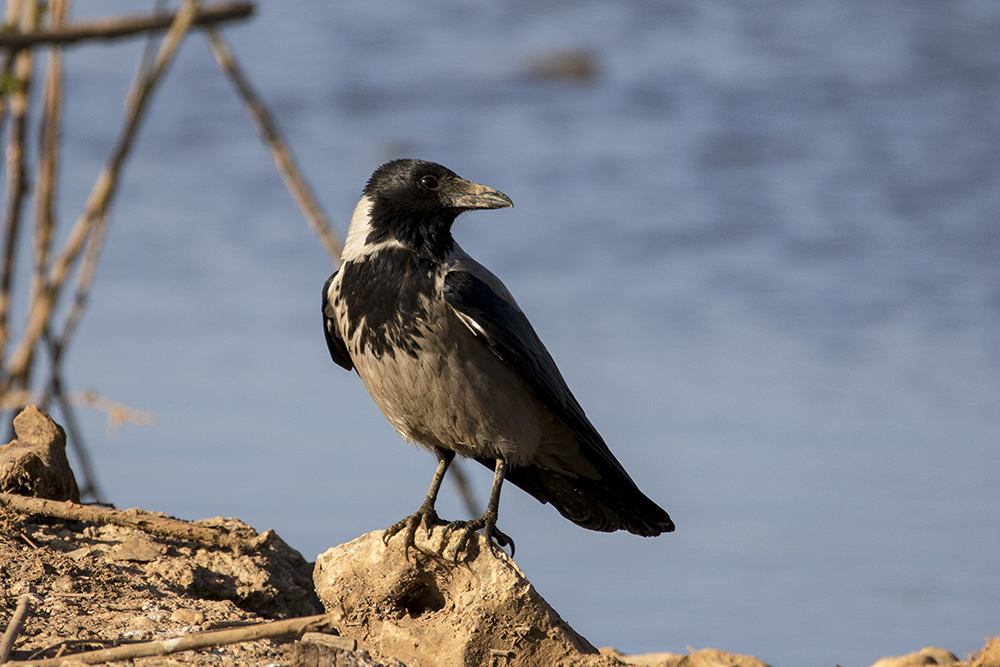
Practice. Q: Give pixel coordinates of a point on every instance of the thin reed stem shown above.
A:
(280, 152)
(100, 197)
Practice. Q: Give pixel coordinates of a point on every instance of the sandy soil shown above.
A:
(96, 586)
(95, 578)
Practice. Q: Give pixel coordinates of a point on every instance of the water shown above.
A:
(762, 246)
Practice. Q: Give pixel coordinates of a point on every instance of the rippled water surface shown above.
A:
(762, 245)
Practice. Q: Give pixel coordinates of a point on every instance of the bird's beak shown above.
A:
(468, 195)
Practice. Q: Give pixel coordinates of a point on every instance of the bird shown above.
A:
(453, 363)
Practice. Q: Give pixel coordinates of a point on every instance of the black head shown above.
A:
(416, 203)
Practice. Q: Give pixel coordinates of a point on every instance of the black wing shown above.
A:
(612, 502)
(338, 349)
(496, 319)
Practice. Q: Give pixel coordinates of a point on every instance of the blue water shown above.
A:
(762, 245)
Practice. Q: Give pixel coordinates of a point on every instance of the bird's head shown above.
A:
(415, 202)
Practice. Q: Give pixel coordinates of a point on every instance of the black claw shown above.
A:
(425, 516)
(497, 539)
(503, 540)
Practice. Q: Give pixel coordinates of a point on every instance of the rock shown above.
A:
(925, 656)
(989, 656)
(646, 659)
(330, 641)
(35, 463)
(430, 611)
(137, 550)
(142, 623)
(311, 652)
(710, 657)
(706, 657)
(189, 617)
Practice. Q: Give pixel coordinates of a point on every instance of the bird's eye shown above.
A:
(429, 182)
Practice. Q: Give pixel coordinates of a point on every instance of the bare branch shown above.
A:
(14, 627)
(118, 413)
(280, 152)
(201, 640)
(16, 184)
(114, 28)
(100, 196)
(48, 161)
(145, 521)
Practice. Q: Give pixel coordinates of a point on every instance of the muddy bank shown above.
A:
(217, 592)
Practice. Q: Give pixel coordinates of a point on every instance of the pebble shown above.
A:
(188, 617)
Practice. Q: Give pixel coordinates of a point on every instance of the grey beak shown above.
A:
(468, 195)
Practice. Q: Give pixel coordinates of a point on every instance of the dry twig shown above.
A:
(280, 152)
(123, 26)
(14, 627)
(95, 210)
(45, 180)
(48, 161)
(145, 521)
(16, 185)
(118, 413)
(294, 626)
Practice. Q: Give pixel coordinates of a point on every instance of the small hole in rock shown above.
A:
(422, 596)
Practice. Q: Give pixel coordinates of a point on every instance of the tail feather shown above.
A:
(608, 504)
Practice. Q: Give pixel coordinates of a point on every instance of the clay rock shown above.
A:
(35, 463)
(707, 657)
(925, 656)
(710, 657)
(321, 650)
(429, 611)
(989, 656)
(646, 659)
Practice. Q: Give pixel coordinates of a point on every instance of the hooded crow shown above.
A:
(454, 365)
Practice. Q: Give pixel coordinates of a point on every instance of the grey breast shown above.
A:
(453, 393)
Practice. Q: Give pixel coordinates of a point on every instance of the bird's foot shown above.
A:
(487, 523)
(424, 517)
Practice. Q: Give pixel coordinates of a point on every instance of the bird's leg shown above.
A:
(426, 516)
(488, 521)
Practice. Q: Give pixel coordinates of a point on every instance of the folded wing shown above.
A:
(610, 502)
(336, 344)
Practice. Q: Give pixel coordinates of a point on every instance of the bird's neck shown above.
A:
(430, 240)
(375, 230)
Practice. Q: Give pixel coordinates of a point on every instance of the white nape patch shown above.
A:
(357, 232)
(361, 226)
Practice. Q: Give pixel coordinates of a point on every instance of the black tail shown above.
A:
(608, 504)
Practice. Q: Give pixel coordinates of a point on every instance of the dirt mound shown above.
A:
(98, 585)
